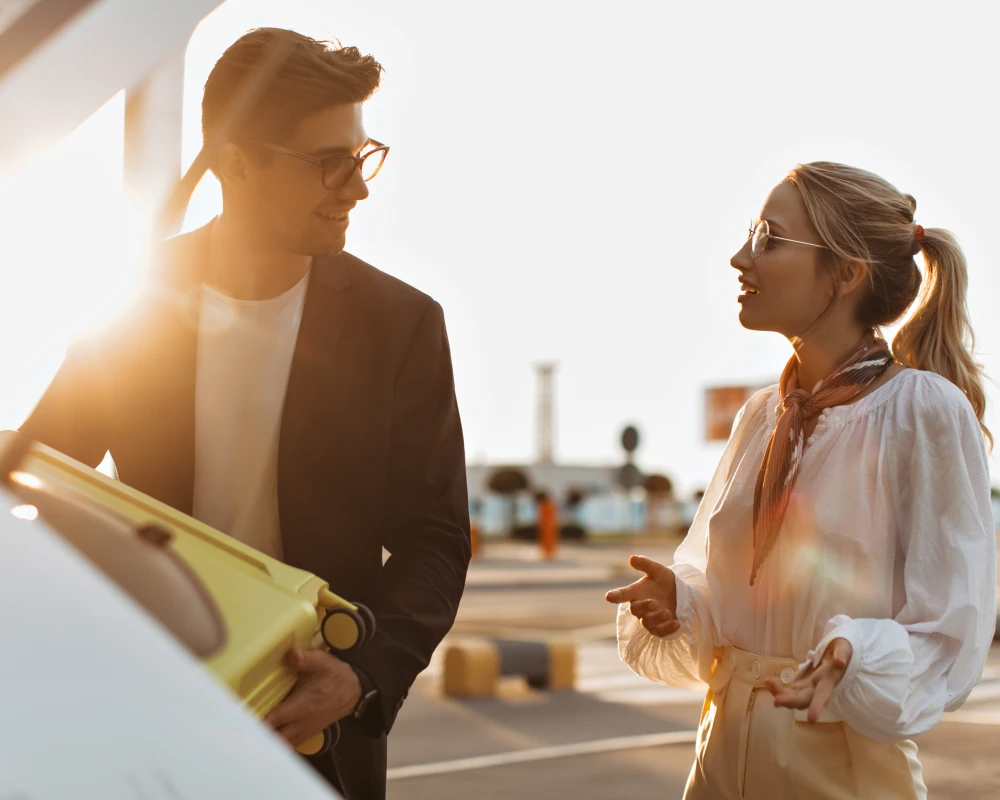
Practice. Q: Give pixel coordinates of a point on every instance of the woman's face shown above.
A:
(785, 289)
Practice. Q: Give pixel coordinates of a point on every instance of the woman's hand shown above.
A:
(812, 687)
(652, 598)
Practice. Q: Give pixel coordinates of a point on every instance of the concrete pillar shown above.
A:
(546, 413)
(473, 665)
(153, 116)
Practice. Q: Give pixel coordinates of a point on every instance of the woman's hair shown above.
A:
(269, 79)
(863, 218)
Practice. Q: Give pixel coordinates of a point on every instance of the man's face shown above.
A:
(285, 201)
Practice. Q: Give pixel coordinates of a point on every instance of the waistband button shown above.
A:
(787, 674)
(755, 669)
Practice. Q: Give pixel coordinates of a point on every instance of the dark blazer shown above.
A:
(371, 454)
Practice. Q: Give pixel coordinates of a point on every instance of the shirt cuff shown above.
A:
(685, 608)
(839, 627)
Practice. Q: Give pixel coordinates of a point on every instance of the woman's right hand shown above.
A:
(652, 598)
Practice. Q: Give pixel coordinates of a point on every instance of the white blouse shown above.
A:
(888, 542)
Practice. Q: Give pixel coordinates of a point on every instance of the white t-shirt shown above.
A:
(888, 542)
(245, 350)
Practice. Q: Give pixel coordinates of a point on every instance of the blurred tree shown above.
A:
(509, 482)
(660, 502)
(573, 528)
(658, 484)
(574, 499)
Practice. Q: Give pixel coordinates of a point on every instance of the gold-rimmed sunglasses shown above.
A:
(760, 233)
(337, 170)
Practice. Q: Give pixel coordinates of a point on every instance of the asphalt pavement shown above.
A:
(614, 735)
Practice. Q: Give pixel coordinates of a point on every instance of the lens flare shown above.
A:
(25, 479)
(29, 513)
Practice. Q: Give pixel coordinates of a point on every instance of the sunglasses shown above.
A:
(337, 170)
(761, 233)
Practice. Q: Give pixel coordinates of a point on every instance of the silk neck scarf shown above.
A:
(783, 456)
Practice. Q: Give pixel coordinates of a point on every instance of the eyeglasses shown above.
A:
(337, 170)
(761, 232)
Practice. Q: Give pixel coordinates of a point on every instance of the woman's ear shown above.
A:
(853, 275)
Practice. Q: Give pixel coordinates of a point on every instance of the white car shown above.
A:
(92, 683)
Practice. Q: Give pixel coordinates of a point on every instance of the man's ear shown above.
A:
(232, 164)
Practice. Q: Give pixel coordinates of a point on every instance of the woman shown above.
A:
(837, 589)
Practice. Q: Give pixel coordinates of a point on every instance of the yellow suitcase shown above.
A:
(237, 609)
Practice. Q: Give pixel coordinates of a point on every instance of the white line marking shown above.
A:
(984, 691)
(596, 683)
(543, 754)
(654, 696)
(972, 717)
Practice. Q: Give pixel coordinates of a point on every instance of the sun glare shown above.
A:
(68, 256)
(24, 479)
(29, 513)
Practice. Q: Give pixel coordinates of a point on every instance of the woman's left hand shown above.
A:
(812, 687)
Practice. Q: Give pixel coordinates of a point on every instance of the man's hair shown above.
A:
(269, 79)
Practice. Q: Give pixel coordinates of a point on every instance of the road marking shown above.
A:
(973, 717)
(551, 577)
(653, 696)
(543, 754)
(616, 680)
(984, 691)
(606, 630)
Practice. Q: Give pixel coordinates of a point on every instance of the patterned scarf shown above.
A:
(784, 451)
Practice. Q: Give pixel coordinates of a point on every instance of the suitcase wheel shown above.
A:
(320, 743)
(369, 618)
(343, 629)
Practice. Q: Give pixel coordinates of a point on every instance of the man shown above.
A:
(291, 395)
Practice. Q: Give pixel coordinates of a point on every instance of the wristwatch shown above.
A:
(368, 692)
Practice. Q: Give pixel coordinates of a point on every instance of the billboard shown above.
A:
(722, 404)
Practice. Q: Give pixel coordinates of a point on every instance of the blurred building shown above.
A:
(590, 496)
(604, 505)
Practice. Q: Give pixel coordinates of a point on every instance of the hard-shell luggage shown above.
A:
(235, 608)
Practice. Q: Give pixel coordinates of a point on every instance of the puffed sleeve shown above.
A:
(685, 657)
(905, 672)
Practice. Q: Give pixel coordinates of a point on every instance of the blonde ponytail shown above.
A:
(938, 337)
(862, 217)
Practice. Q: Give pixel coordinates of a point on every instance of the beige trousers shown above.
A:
(748, 749)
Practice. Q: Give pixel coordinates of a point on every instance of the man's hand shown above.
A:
(812, 687)
(327, 691)
(652, 598)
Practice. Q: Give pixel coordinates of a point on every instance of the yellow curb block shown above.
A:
(471, 669)
(474, 665)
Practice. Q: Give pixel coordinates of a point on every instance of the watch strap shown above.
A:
(368, 692)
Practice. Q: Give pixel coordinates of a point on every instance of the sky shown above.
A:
(569, 181)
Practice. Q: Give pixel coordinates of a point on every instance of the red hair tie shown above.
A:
(920, 235)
